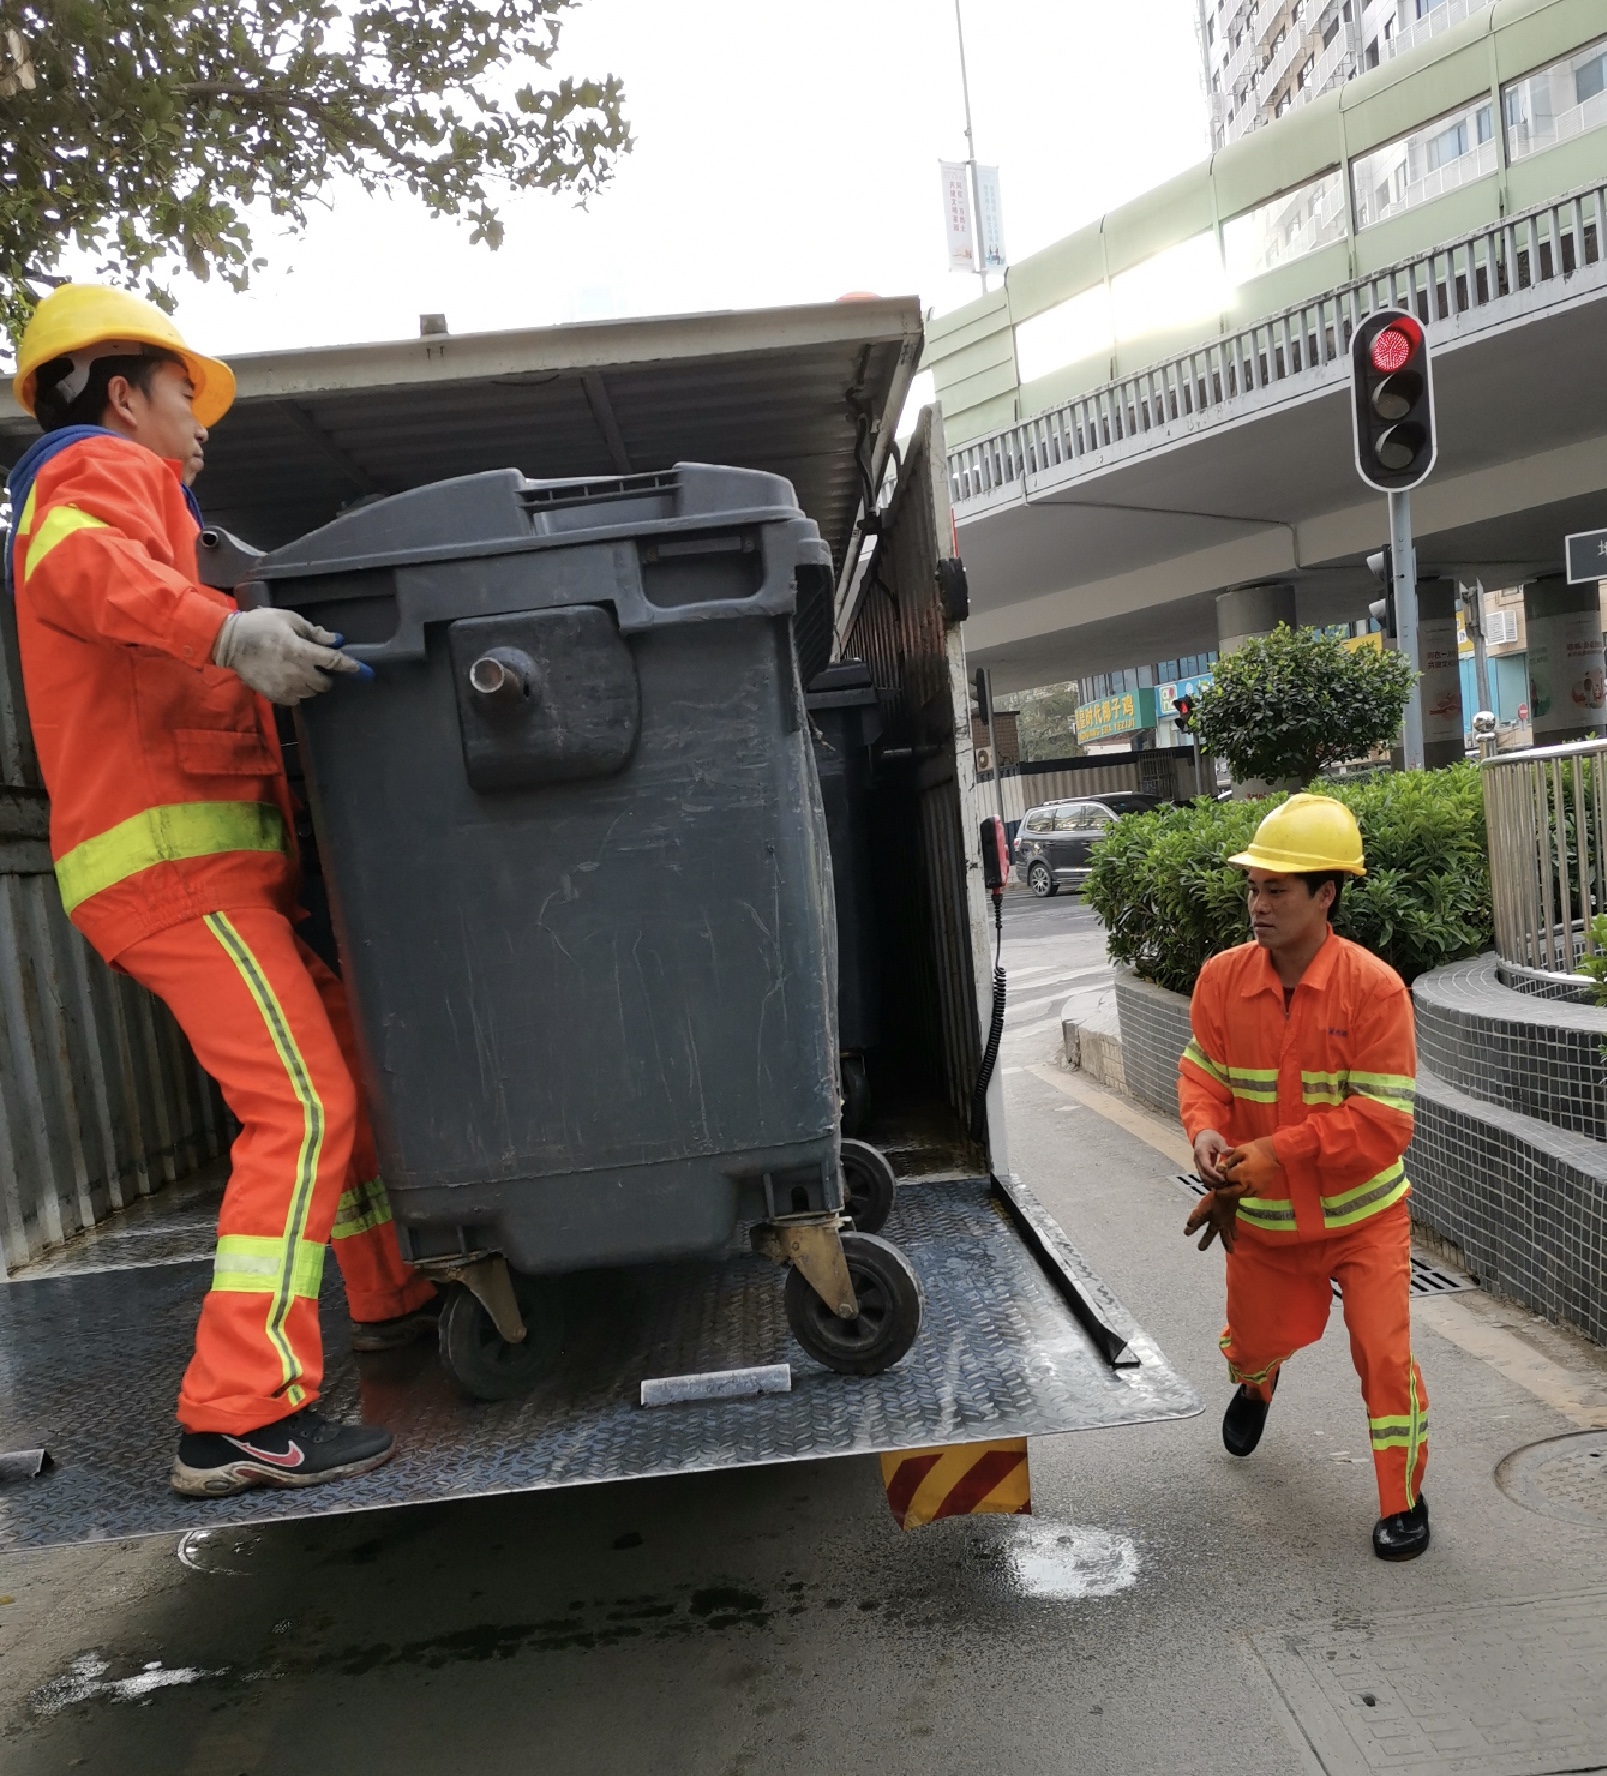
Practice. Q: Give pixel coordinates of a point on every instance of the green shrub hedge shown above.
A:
(1168, 898)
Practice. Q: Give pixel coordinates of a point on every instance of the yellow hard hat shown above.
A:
(77, 316)
(1308, 832)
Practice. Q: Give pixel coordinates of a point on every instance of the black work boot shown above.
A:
(305, 1449)
(392, 1334)
(1403, 1536)
(1244, 1420)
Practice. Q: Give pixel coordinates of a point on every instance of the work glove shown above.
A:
(281, 655)
(1218, 1213)
(1254, 1165)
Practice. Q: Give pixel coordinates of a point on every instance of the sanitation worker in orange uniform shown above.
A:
(171, 831)
(1297, 1092)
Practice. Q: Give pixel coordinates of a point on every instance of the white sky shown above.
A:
(784, 154)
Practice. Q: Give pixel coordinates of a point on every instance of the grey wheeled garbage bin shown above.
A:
(577, 865)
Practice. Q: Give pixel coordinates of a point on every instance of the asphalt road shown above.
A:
(1165, 1610)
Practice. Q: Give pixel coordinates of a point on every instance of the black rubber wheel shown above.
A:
(478, 1358)
(869, 1187)
(855, 1084)
(889, 1310)
(1041, 882)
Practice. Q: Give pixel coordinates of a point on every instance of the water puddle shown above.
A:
(85, 1680)
(221, 1552)
(1065, 1562)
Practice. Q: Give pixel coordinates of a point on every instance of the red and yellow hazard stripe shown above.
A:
(961, 1480)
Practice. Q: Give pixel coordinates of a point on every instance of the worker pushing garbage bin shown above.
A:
(578, 869)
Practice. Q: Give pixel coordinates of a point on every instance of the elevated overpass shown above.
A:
(1099, 518)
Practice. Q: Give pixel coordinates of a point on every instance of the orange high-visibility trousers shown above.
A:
(1278, 1300)
(269, 1022)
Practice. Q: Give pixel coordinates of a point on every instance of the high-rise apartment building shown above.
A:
(1263, 57)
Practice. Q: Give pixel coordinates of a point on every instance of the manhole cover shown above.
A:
(1427, 1278)
(1563, 1477)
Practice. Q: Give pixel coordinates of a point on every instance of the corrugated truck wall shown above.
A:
(899, 630)
(101, 1100)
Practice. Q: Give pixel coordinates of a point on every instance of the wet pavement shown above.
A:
(1165, 1610)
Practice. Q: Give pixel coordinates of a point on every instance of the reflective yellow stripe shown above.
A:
(1419, 1435)
(25, 522)
(1324, 1088)
(1275, 1214)
(1253, 1377)
(248, 1264)
(165, 835)
(1256, 1085)
(289, 1246)
(1371, 1198)
(1203, 1061)
(1397, 1433)
(1397, 1090)
(59, 523)
(361, 1208)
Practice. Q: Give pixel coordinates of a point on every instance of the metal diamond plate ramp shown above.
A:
(90, 1365)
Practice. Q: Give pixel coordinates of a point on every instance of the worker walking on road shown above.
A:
(1297, 1092)
(171, 830)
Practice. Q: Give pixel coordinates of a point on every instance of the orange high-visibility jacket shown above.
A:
(1332, 1082)
(168, 794)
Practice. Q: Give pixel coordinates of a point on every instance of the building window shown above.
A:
(1330, 31)
(1283, 104)
(1554, 104)
(1372, 53)
(1287, 228)
(1440, 157)
(1308, 68)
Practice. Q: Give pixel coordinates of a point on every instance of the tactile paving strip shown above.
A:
(1428, 1278)
(1563, 1477)
(90, 1365)
(1503, 1689)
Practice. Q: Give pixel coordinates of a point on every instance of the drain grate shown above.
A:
(1564, 1477)
(1428, 1278)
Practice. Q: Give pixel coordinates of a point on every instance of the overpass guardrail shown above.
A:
(1520, 253)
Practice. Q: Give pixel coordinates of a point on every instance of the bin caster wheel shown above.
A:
(890, 1306)
(477, 1357)
(855, 1084)
(869, 1187)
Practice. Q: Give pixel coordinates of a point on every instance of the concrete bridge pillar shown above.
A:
(1566, 692)
(1443, 725)
(1249, 611)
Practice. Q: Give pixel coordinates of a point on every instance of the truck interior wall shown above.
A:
(921, 850)
(101, 1100)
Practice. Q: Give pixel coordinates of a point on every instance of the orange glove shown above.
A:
(1218, 1213)
(1254, 1165)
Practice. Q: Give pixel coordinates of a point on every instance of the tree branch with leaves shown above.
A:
(142, 132)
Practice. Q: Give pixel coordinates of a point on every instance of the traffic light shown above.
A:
(1382, 610)
(1392, 403)
(982, 711)
(1183, 712)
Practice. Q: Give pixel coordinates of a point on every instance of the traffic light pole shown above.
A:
(1404, 561)
(985, 679)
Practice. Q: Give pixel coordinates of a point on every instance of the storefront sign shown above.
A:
(1166, 695)
(1125, 713)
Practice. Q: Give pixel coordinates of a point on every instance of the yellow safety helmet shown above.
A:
(77, 318)
(1306, 833)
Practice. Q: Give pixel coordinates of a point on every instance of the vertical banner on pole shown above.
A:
(990, 219)
(957, 216)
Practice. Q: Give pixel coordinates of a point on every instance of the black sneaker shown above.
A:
(1403, 1536)
(408, 1328)
(305, 1449)
(1244, 1420)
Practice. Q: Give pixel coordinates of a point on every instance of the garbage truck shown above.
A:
(632, 595)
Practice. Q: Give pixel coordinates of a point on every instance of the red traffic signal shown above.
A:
(1183, 712)
(1392, 404)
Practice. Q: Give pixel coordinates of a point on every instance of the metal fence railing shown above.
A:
(1546, 812)
(1519, 253)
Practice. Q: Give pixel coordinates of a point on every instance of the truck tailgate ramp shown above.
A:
(1020, 1339)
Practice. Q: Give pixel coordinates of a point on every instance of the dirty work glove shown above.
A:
(1218, 1213)
(1254, 1165)
(280, 655)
